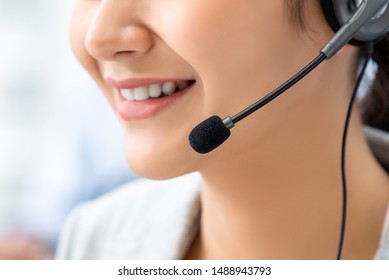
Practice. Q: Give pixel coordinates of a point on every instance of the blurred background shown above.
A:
(60, 143)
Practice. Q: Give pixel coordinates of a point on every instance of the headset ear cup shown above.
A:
(333, 21)
(329, 14)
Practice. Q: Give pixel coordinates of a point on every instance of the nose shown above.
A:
(117, 28)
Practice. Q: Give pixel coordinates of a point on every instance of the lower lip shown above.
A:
(141, 110)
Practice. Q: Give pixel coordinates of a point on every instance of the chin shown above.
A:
(159, 162)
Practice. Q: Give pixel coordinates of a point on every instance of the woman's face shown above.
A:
(183, 60)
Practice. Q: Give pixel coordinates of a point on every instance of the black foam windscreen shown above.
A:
(208, 135)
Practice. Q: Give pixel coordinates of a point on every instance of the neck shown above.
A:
(288, 193)
(282, 199)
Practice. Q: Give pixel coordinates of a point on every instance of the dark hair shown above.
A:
(375, 105)
(296, 10)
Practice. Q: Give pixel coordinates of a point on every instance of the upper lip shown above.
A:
(140, 82)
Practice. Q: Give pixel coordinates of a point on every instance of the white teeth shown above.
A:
(141, 93)
(127, 94)
(152, 91)
(155, 91)
(169, 88)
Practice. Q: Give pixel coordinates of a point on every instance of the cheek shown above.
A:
(233, 48)
(78, 29)
(82, 17)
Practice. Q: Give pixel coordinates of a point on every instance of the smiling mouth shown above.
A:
(154, 91)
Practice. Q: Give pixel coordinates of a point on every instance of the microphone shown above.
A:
(209, 134)
(214, 131)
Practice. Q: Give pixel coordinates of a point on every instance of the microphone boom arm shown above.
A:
(278, 91)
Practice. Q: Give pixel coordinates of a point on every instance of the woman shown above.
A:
(273, 190)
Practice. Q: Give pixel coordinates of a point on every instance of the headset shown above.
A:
(360, 23)
(338, 12)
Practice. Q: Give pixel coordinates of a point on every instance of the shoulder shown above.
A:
(119, 224)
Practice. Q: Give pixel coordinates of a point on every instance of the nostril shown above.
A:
(131, 39)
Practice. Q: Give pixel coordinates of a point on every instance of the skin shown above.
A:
(272, 191)
(23, 247)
